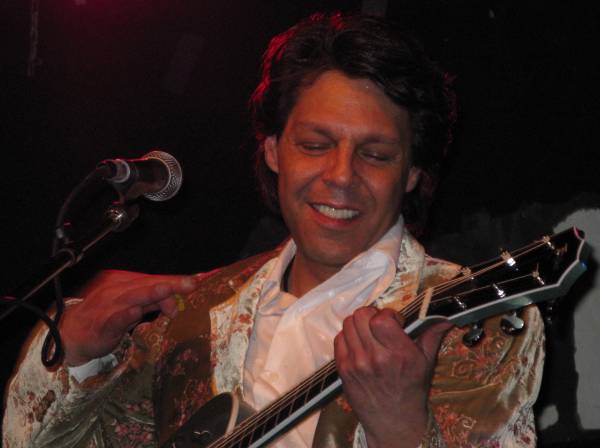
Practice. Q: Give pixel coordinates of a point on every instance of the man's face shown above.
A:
(342, 164)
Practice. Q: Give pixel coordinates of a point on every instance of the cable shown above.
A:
(53, 339)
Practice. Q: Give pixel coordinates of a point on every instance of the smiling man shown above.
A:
(351, 119)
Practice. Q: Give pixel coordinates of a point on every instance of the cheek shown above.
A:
(387, 192)
(296, 175)
(291, 186)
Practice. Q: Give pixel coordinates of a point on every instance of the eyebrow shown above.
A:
(367, 138)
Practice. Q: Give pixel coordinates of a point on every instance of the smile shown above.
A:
(335, 213)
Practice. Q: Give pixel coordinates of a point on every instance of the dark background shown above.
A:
(118, 79)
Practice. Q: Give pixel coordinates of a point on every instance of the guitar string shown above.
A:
(273, 409)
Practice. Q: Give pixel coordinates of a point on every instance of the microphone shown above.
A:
(157, 176)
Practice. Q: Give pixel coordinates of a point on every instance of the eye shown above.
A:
(314, 146)
(375, 156)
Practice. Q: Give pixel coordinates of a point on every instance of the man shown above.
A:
(349, 118)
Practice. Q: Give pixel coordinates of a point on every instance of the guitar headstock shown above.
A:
(540, 271)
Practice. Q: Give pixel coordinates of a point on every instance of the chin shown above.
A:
(332, 255)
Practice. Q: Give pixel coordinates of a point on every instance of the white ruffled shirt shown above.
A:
(293, 337)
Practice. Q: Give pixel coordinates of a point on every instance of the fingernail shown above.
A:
(179, 300)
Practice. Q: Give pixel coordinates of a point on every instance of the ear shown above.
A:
(413, 179)
(271, 157)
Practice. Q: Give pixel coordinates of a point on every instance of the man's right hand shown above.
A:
(113, 304)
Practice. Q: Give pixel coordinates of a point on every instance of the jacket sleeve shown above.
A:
(483, 396)
(50, 408)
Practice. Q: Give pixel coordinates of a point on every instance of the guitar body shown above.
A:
(215, 419)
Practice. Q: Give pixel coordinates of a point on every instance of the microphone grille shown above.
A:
(175, 180)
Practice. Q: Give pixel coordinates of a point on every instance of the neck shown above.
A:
(305, 275)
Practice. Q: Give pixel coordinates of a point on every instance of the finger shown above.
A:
(429, 341)
(148, 308)
(350, 331)
(387, 330)
(168, 306)
(120, 298)
(122, 321)
(362, 323)
(340, 349)
(149, 292)
(183, 284)
(126, 319)
(126, 280)
(346, 364)
(110, 278)
(116, 275)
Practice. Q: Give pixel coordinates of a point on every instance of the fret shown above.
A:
(246, 441)
(316, 388)
(286, 410)
(297, 403)
(269, 424)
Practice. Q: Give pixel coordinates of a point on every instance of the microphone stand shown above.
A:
(116, 218)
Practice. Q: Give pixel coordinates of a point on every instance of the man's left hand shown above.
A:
(386, 375)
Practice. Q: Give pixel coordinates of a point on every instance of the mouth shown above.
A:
(335, 213)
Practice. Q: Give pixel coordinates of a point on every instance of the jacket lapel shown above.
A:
(231, 327)
(184, 373)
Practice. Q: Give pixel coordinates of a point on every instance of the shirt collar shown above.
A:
(388, 245)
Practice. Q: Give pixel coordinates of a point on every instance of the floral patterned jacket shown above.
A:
(167, 369)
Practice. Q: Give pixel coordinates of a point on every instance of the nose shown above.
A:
(339, 169)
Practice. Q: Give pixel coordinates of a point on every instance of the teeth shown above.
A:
(336, 213)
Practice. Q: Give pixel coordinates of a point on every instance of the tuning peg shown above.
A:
(474, 335)
(508, 259)
(511, 324)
